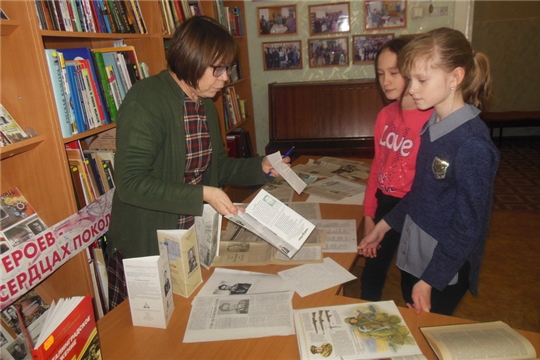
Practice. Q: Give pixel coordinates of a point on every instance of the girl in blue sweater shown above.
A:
(444, 218)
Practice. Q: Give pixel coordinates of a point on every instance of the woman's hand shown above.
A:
(269, 169)
(421, 295)
(370, 243)
(219, 200)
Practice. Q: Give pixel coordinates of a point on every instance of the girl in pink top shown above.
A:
(397, 139)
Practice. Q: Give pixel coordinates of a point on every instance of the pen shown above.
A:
(283, 156)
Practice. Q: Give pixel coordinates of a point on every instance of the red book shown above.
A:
(69, 332)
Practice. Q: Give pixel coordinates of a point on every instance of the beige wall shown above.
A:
(261, 78)
(508, 32)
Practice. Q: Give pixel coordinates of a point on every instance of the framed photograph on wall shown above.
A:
(328, 52)
(366, 46)
(277, 20)
(282, 55)
(329, 18)
(380, 14)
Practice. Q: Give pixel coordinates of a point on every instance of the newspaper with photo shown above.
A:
(236, 304)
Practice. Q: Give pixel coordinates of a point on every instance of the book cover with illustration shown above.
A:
(19, 221)
(9, 127)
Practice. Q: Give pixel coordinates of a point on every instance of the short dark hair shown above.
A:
(198, 43)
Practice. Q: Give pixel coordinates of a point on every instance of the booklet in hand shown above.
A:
(275, 222)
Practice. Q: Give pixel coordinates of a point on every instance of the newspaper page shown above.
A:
(357, 331)
(282, 193)
(350, 169)
(485, 340)
(311, 278)
(286, 172)
(341, 235)
(308, 210)
(336, 188)
(215, 318)
(208, 230)
(275, 222)
(224, 282)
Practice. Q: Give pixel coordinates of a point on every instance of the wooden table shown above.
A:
(120, 340)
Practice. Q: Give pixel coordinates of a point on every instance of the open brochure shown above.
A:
(208, 230)
(485, 340)
(275, 222)
(236, 304)
(357, 331)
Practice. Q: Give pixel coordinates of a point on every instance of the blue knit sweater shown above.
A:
(456, 208)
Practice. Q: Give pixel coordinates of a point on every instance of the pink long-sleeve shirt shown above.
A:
(397, 139)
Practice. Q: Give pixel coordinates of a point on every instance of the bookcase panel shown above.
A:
(41, 170)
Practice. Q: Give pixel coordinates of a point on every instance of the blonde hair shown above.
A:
(449, 49)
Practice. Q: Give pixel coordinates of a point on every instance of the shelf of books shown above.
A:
(235, 101)
(59, 98)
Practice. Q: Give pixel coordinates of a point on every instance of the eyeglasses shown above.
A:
(219, 70)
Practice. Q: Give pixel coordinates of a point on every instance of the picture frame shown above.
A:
(381, 14)
(328, 52)
(282, 55)
(277, 20)
(329, 18)
(365, 47)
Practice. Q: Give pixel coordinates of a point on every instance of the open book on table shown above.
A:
(275, 222)
(367, 330)
(484, 340)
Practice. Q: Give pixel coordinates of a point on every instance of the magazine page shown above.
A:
(357, 331)
(350, 169)
(336, 188)
(215, 318)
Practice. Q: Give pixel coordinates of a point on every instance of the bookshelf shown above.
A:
(39, 166)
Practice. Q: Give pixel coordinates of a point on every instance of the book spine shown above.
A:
(40, 15)
(91, 98)
(76, 102)
(67, 91)
(104, 85)
(58, 90)
(75, 15)
(117, 96)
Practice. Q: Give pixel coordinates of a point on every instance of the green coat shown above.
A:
(149, 166)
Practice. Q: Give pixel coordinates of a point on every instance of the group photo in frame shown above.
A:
(328, 52)
(365, 47)
(385, 14)
(277, 20)
(282, 55)
(329, 18)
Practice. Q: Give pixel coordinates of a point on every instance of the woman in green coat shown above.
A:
(170, 158)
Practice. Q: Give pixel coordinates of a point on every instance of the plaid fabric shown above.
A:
(198, 150)
(117, 280)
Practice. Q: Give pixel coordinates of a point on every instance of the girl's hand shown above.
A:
(421, 295)
(369, 224)
(219, 200)
(370, 243)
